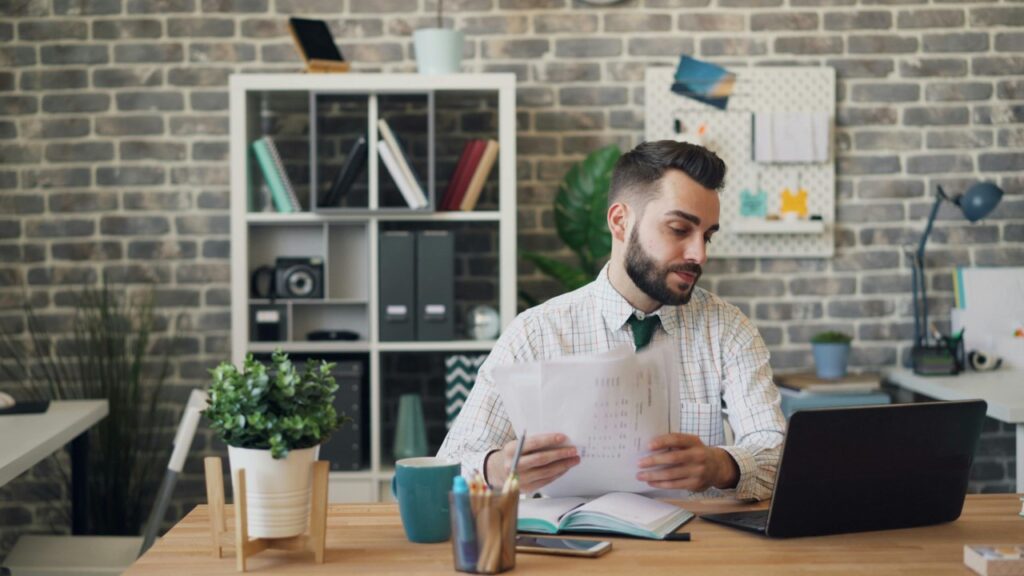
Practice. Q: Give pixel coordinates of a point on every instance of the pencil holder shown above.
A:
(484, 531)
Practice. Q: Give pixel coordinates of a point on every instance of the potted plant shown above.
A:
(581, 206)
(438, 50)
(273, 420)
(831, 353)
(109, 350)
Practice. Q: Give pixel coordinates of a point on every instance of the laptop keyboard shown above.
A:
(756, 520)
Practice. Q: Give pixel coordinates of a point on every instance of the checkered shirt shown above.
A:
(724, 366)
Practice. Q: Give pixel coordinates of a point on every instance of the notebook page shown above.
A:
(549, 510)
(632, 508)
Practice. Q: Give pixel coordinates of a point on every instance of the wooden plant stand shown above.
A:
(314, 541)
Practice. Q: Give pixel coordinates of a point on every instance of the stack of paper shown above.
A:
(609, 406)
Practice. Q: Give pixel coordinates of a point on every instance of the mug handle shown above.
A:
(394, 486)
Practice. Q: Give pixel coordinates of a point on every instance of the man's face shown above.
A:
(668, 243)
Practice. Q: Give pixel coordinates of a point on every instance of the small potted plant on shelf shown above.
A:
(273, 420)
(438, 50)
(831, 352)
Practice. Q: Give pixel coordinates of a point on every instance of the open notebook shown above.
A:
(616, 512)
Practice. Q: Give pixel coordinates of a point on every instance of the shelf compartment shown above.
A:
(411, 120)
(341, 120)
(305, 319)
(284, 117)
(300, 240)
(348, 263)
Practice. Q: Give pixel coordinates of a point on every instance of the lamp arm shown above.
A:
(919, 282)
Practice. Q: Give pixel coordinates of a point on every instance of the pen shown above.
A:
(465, 526)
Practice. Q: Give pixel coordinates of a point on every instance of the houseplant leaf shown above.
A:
(581, 205)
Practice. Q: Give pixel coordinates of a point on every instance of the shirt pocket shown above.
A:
(703, 420)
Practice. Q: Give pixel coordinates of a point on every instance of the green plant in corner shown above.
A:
(106, 350)
(277, 408)
(831, 337)
(581, 206)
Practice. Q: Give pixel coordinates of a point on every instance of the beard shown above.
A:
(654, 279)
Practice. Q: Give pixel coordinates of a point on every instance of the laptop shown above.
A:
(856, 469)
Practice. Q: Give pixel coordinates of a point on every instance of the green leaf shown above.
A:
(276, 408)
(581, 205)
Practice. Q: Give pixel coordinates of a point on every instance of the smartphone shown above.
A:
(563, 546)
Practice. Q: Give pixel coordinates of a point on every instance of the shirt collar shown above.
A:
(616, 310)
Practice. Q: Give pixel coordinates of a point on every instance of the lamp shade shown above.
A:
(979, 200)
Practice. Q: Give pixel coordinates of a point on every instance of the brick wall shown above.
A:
(113, 147)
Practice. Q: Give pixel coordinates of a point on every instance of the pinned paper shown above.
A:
(704, 82)
(753, 204)
(790, 137)
(794, 204)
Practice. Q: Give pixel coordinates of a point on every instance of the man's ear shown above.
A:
(618, 217)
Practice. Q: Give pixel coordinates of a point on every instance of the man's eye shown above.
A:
(707, 239)
(680, 231)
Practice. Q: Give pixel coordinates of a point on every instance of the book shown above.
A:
(458, 187)
(849, 384)
(354, 165)
(995, 560)
(457, 174)
(483, 169)
(391, 163)
(613, 513)
(274, 179)
(403, 164)
(275, 156)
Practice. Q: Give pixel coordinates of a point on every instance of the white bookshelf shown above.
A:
(351, 234)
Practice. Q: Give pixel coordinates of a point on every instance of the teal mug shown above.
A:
(421, 486)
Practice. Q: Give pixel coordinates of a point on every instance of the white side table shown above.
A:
(25, 439)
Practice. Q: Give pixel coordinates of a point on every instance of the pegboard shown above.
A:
(730, 134)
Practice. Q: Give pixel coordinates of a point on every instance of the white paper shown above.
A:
(993, 310)
(789, 137)
(609, 406)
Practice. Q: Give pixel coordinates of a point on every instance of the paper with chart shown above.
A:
(610, 406)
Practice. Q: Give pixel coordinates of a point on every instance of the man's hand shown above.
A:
(543, 460)
(688, 464)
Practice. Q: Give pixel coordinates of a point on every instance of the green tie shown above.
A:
(643, 330)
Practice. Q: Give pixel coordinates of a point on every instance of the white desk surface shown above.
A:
(1002, 389)
(25, 439)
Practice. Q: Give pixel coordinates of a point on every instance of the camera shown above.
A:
(299, 278)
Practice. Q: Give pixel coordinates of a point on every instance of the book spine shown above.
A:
(476, 185)
(457, 174)
(279, 166)
(475, 154)
(277, 190)
(396, 174)
(403, 164)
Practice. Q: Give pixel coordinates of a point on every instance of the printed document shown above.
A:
(609, 405)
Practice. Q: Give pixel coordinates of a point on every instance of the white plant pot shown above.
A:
(438, 50)
(277, 491)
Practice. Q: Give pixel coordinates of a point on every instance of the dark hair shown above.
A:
(644, 165)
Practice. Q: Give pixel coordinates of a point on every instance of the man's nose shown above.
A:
(697, 251)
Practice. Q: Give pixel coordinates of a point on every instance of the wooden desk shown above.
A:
(1003, 390)
(368, 539)
(25, 439)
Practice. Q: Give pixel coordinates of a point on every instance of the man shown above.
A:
(663, 211)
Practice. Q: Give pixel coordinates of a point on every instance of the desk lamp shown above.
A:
(942, 358)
